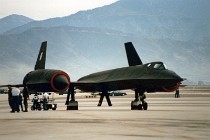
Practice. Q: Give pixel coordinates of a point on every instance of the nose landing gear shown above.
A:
(139, 102)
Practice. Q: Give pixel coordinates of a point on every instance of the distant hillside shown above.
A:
(178, 20)
(13, 21)
(175, 32)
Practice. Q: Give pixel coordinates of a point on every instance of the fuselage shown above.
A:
(151, 77)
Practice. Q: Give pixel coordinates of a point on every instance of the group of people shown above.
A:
(36, 103)
(15, 99)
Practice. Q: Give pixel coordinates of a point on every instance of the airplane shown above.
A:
(150, 77)
(44, 80)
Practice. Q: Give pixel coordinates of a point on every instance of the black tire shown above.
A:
(134, 107)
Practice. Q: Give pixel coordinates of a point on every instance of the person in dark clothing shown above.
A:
(25, 98)
(20, 101)
(10, 96)
(177, 94)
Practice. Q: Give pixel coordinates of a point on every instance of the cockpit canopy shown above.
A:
(157, 65)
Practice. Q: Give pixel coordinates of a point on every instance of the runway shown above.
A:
(169, 118)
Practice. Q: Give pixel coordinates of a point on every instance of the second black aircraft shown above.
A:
(150, 77)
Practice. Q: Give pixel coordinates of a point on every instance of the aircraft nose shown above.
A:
(178, 78)
(175, 76)
(174, 83)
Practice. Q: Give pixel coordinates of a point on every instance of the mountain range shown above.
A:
(12, 21)
(175, 32)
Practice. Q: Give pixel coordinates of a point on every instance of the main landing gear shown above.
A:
(72, 104)
(139, 103)
(106, 94)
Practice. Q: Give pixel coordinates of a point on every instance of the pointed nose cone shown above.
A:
(60, 82)
(175, 76)
(178, 78)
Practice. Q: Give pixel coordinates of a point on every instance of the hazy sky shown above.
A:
(43, 9)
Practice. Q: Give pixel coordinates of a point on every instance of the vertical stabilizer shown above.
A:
(40, 62)
(132, 56)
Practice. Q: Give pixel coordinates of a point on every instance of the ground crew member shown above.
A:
(25, 98)
(177, 94)
(20, 101)
(35, 101)
(10, 96)
(15, 99)
(45, 100)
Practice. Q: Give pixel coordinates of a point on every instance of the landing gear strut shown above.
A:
(139, 103)
(106, 94)
(72, 104)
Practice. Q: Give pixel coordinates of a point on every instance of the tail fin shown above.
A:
(40, 62)
(132, 56)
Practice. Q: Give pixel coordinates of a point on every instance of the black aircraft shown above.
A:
(141, 78)
(44, 80)
(150, 77)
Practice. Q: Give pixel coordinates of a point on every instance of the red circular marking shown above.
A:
(173, 89)
(53, 77)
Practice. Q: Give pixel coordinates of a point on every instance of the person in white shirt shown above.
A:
(45, 100)
(35, 101)
(15, 99)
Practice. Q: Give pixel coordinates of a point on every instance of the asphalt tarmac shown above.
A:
(169, 118)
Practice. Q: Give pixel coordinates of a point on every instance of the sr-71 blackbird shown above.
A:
(150, 77)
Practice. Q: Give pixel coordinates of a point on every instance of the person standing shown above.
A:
(45, 100)
(25, 98)
(20, 101)
(15, 99)
(35, 101)
(177, 94)
(10, 96)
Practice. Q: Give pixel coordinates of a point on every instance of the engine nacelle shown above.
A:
(47, 80)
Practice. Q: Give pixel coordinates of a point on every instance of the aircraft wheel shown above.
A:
(135, 105)
(145, 106)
